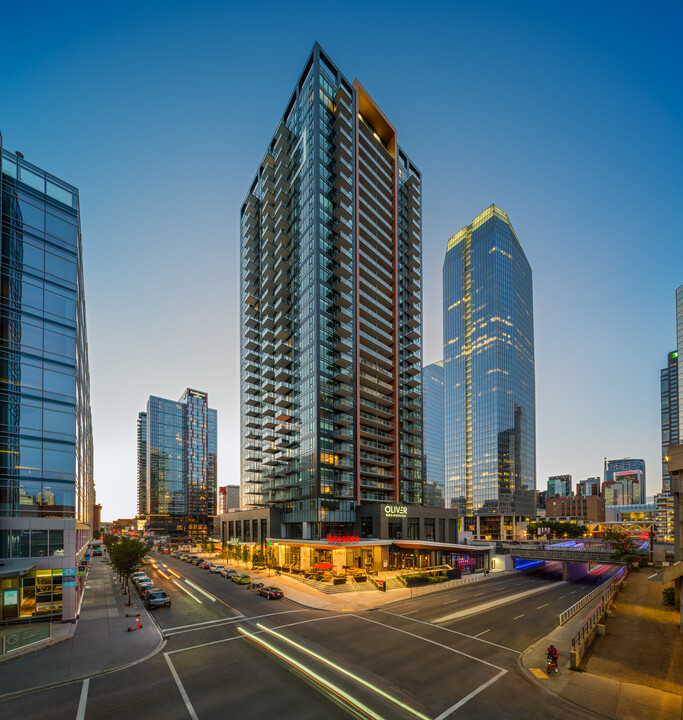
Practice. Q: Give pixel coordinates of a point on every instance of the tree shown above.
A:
(109, 539)
(126, 557)
(624, 548)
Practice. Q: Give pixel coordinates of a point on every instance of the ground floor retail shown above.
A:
(354, 556)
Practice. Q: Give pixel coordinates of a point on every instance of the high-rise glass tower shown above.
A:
(433, 471)
(613, 467)
(46, 454)
(177, 448)
(331, 406)
(560, 485)
(670, 418)
(679, 350)
(489, 372)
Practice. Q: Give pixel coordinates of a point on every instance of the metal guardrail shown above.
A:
(467, 580)
(596, 615)
(601, 589)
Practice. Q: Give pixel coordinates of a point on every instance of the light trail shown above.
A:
(343, 671)
(184, 589)
(198, 589)
(341, 694)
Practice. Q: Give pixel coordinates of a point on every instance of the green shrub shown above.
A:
(668, 596)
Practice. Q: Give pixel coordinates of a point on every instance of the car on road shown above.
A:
(137, 574)
(217, 568)
(271, 592)
(157, 598)
(228, 572)
(241, 579)
(197, 561)
(141, 580)
(206, 565)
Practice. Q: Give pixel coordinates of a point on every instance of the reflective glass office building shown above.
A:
(670, 420)
(331, 350)
(433, 470)
(177, 451)
(489, 376)
(46, 456)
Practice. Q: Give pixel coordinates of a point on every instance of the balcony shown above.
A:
(342, 360)
(343, 345)
(343, 419)
(343, 448)
(343, 404)
(343, 432)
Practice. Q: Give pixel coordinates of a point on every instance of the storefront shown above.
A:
(340, 556)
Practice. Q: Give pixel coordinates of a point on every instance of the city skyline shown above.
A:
(584, 156)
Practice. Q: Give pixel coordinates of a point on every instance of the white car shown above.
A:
(217, 568)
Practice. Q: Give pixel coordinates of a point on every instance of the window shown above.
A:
(429, 528)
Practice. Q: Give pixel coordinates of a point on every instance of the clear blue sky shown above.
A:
(566, 115)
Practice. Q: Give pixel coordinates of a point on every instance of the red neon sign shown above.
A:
(343, 538)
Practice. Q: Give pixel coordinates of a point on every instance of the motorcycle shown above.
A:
(551, 664)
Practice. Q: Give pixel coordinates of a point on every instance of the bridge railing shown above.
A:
(608, 587)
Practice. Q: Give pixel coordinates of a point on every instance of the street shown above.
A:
(230, 650)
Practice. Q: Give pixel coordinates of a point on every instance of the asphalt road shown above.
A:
(230, 651)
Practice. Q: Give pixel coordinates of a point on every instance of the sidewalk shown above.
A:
(98, 642)
(603, 696)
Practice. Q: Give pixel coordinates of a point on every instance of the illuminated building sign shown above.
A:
(343, 538)
(395, 511)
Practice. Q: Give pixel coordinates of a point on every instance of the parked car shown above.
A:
(137, 574)
(163, 551)
(206, 565)
(217, 568)
(146, 589)
(141, 580)
(144, 585)
(198, 561)
(228, 572)
(157, 598)
(270, 592)
(241, 579)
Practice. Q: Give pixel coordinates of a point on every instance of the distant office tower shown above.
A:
(670, 419)
(627, 487)
(612, 467)
(331, 402)
(179, 451)
(489, 373)
(142, 464)
(433, 471)
(560, 485)
(664, 502)
(46, 474)
(222, 500)
(589, 487)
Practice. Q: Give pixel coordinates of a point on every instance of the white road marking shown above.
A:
(467, 698)
(239, 637)
(427, 640)
(203, 592)
(183, 694)
(410, 612)
(489, 605)
(561, 596)
(542, 606)
(482, 633)
(80, 715)
(518, 616)
(455, 632)
(222, 621)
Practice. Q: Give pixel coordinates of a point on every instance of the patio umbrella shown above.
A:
(324, 566)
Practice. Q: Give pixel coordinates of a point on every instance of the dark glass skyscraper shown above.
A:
(46, 454)
(433, 471)
(177, 447)
(331, 407)
(489, 372)
(670, 416)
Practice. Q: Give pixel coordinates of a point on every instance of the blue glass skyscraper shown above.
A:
(433, 471)
(177, 451)
(489, 375)
(46, 456)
